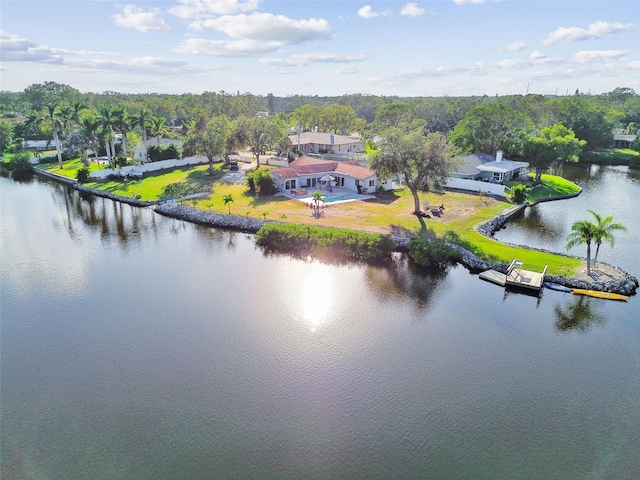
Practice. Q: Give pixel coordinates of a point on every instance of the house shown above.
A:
(319, 142)
(621, 140)
(39, 145)
(480, 172)
(308, 172)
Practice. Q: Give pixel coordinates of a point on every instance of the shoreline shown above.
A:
(624, 283)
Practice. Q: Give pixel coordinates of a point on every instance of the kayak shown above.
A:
(599, 294)
(556, 286)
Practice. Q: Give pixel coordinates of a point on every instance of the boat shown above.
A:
(556, 286)
(599, 294)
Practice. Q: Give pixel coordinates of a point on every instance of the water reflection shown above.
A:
(317, 296)
(402, 280)
(577, 315)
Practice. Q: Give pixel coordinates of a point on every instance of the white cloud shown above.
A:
(516, 46)
(306, 58)
(16, 49)
(223, 48)
(576, 34)
(191, 9)
(266, 27)
(367, 13)
(140, 19)
(412, 10)
(347, 70)
(468, 2)
(537, 55)
(589, 56)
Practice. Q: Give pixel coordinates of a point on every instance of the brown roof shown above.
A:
(314, 166)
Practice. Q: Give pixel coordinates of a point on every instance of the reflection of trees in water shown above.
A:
(401, 279)
(217, 237)
(578, 315)
(109, 218)
(538, 225)
(578, 172)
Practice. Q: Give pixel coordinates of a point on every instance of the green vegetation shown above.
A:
(304, 240)
(432, 253)
(551, 186)
(612, 156)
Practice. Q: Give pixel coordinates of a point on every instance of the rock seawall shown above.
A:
(210, 219)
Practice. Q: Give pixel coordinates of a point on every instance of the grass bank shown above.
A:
(388, 213)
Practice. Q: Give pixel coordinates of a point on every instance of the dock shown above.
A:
(494, 277)
(520, 278)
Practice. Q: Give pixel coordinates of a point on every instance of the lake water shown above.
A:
(138, 346)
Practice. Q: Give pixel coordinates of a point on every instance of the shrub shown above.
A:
(519, 193)
(157, 153)
(83, 175)
(261, 182)
(304, 240)
(432, 253)
(20, 164)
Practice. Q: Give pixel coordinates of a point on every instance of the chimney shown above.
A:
(499, 156)
(332, 139)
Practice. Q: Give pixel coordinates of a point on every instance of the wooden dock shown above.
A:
(520, 278)
(494, 277)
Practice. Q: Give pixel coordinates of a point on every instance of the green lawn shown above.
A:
(551, 186)
(388, 213)
(611, 156)
(69, 167)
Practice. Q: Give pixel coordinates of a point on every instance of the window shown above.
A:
(372, 183)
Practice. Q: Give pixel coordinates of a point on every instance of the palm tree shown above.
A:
(107, 121)
(318, 197)
(582, 231)
(141, 120)
(158, 127)
(603, 229)
(52, 115)
(228, 200)
(89, 126)
(124, 124)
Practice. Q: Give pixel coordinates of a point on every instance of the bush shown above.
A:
(83, 175)
(261, 182)
(434, 253)
(157, 153)
(519, 193)
(20, 164)
(305, 240)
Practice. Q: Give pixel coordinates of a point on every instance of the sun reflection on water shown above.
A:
(317, 297)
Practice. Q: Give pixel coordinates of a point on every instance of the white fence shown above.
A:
(149, 167)
(476, 186)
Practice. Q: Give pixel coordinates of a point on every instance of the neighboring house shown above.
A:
(39, 145)
(318, 142)
(480, 172)
(621, 140)
(308, 172)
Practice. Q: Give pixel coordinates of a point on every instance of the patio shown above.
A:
(335, 196)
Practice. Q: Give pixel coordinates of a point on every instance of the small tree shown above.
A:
(603, 231)
(228, 200)
(519, 193)
(582, 231)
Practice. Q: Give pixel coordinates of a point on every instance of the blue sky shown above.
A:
(328, 47)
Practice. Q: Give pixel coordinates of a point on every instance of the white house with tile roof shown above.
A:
(308, 172)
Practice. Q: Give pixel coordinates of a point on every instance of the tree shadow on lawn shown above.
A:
(384, 198)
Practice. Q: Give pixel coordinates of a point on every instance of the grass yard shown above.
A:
(69, 167)
(611, 156)
(389, 213)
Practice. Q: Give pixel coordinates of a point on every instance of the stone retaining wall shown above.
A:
(210, 219)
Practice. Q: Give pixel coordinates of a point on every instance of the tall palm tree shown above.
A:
(89, 127)
(142, 120)
(52, 115)
(582, 231)
(107, 122)
(603, 231)
(124, 124)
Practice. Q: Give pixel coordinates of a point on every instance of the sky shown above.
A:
(322, 47)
